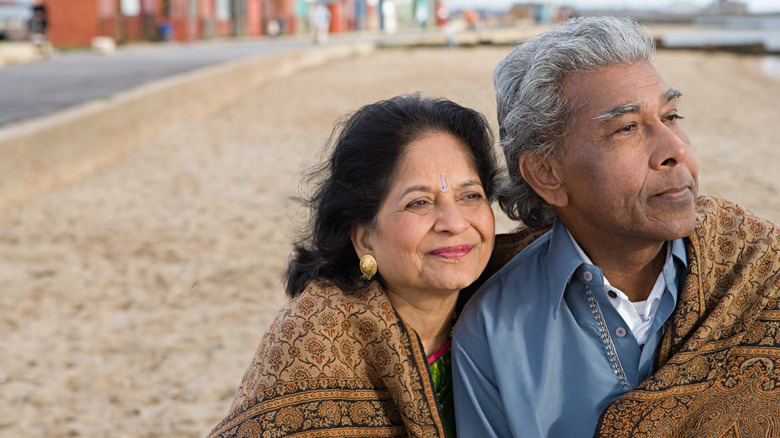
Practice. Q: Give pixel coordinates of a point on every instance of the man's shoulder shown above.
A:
(515, 251)
(718, 215)
(509, 245)
(516, 262)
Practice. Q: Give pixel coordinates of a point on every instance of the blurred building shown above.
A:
(76, 22)
(14, 16)
(726, 7)
(525, 13)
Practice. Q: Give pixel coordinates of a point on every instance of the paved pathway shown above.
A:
(43, 87)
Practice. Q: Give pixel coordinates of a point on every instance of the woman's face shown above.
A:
(434, 231)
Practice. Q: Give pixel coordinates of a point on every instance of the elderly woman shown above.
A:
(402, 223)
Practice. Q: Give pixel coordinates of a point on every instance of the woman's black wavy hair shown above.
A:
(351, 185)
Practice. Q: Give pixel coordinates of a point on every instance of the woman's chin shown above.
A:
(454, 285)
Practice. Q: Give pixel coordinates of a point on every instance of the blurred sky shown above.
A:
(754, 6)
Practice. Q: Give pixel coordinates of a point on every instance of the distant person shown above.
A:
(646, 310)
(319, 21)
(401, 223)
(275, 27)
(38, 21)
(449, 35)
(422, 14)
(165, 30)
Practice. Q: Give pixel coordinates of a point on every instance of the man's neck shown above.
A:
(633, 271)
(635, 277)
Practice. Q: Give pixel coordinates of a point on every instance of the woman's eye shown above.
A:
(473, 198)
(419, 205)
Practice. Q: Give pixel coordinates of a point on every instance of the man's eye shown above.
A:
(674, 117)
(627, 128)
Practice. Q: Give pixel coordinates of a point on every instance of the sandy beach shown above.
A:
(133, 300)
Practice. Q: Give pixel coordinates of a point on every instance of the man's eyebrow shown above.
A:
(670, 95)
(616, 112)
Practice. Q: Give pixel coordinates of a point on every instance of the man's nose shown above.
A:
(671, 146)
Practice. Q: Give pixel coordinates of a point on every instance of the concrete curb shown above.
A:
(44, 153)
(18, 53)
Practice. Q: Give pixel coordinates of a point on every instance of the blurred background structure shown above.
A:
(75, 23)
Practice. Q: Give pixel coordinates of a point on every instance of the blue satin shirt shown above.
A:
(539, 351)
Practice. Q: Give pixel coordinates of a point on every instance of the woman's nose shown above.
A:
(451, 218)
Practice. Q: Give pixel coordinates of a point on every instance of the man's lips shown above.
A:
(673, 191)
(679, 189)
(452, 252)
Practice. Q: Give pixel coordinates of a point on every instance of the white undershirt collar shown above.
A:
(637, 315)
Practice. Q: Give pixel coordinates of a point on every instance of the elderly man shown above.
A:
(646, 310)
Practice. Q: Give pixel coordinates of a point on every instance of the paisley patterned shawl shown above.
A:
(336, 364)
(718, 366)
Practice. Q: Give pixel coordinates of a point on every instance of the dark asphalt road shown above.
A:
(64, 80)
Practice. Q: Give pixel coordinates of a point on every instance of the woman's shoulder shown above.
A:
(324, 312)
(330, 296)
(321, 332)
(322, 304)
(325, 339)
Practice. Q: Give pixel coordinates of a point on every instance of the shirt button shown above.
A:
(620, 332)
(612, 294)
(587, 276)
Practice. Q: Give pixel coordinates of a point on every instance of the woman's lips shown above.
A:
(452, 252)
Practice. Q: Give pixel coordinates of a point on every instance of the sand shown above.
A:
(133, 300)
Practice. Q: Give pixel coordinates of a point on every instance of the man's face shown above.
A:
(628, 170)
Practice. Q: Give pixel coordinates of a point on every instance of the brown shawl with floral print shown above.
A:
(718, 365)
(336, 364)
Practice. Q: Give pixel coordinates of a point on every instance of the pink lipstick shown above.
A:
(452, 252)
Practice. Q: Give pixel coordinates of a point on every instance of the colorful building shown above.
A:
(77, 22)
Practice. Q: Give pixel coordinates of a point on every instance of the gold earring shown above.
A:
(367, 267)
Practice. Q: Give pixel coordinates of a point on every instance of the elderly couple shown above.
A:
(625, 304)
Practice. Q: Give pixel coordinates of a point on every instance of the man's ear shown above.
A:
(542, 175)
(361, 240)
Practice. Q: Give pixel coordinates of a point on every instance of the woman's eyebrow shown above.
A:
(419, 188)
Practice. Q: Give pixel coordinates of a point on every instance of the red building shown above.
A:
(76, 22)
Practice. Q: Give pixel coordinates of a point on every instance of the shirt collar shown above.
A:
(679, 252)
(672, 271)
(563, 260)
(565, 257)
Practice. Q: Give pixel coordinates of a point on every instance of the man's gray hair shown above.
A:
(532, 112)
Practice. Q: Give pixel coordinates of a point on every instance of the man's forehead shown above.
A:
(616, 86)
